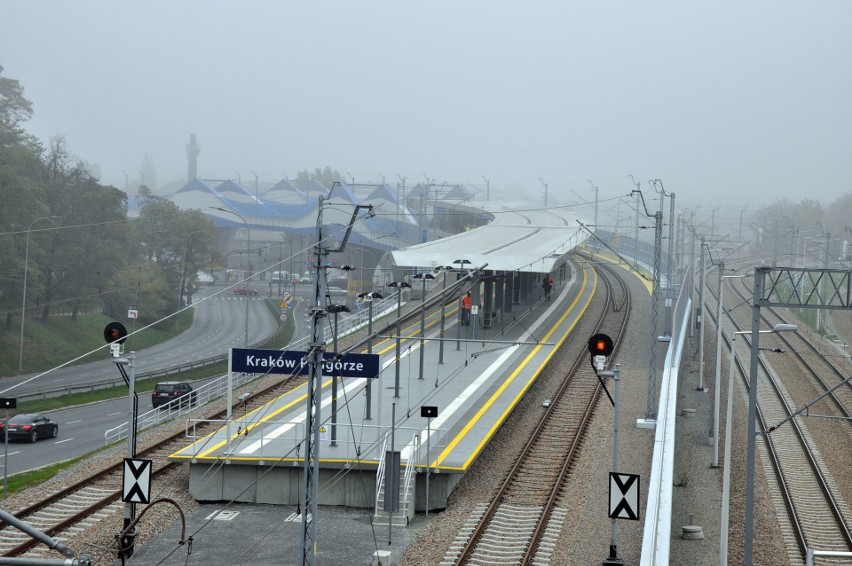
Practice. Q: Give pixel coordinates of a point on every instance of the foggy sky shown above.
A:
(725, 102)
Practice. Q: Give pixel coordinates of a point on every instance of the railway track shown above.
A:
(522, 521)
(811, 510)
(78, 506)
(821, 369)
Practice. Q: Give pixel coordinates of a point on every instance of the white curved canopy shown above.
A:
(521, 238)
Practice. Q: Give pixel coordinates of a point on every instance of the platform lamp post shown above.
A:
(24, 293)
(335, 309)
(248, 250)
(423, 277)
(399, 286)
(368, 298)
(446, 269)
(460, 263)
(726, 472)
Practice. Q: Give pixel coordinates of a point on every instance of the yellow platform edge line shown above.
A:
(206, 454)
(511, 378)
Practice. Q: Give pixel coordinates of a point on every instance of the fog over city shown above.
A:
(726, 103)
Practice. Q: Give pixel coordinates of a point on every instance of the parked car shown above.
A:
(168, 391)
(29, 426)
(336, 291)
(245, 291)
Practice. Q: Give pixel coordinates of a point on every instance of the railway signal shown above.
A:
(600, 347)
(115, 334)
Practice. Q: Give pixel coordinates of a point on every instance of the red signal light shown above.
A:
(115, 332)
(600, 345)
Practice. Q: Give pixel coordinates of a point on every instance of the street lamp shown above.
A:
(347, 268)
(24, 299)
(461, 263)
(726, 473)
(423, 277)
(248, 250)
(399, 286)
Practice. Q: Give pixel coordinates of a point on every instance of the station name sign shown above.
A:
(250, 360)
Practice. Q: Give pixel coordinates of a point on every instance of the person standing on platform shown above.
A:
(546, 285)
(465, 310)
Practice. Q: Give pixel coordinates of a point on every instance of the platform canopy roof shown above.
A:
(520, 238)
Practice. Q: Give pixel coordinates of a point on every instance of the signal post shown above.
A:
(601, 348)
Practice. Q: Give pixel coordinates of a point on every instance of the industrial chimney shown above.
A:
(192, 151)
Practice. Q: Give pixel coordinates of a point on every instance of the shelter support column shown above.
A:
(526, 285)
(514, 290)
(500, 293)
(488, 300)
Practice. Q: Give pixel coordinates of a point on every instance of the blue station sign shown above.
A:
(250, 360)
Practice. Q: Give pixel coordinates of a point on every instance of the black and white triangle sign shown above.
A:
(136, 482)
(623, 496)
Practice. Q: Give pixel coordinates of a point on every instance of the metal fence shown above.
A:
(184, 405)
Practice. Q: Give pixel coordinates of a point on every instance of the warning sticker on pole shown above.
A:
(136, 483)
(623, 496)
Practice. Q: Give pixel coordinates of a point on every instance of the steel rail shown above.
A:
(485, 520)
(784, 481)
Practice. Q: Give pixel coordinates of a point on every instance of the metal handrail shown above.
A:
(348, 324)
(409, 471)
(181, 406)
(380, 474)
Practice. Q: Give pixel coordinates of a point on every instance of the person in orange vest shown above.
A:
(465, 310)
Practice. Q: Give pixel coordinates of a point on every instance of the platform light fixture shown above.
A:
(399, 286)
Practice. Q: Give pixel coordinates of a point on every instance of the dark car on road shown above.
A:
(168, 391)
(245, 291)
(29, 426)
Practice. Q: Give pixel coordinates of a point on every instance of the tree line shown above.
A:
(72, 236)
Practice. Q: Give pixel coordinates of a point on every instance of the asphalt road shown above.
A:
(81, 431)
(219, 324)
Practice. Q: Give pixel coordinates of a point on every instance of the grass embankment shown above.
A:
(281, 339)
(49, 344)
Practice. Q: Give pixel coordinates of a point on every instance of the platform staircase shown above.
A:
(405, 514)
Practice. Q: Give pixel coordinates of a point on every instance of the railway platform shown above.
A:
(474, 381)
